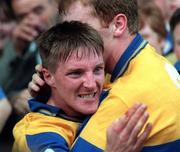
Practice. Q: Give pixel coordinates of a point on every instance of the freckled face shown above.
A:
(79, 83)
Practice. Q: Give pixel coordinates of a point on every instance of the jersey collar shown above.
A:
(133, 49)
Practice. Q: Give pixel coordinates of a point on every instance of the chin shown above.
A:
(89, 110)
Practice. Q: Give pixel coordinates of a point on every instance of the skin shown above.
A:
(118, 34)
(33, 16)
(152, 37)
(163, 6)
(167, 7)
(76, 84)
(176, 36)
(172, 5)
(115, 32)
(124, 131)
(6, 109)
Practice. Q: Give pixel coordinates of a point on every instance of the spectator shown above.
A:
(167, 8)
(152, 25)
(21, 55)
(175, 29)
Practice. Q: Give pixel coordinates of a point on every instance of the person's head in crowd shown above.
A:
(175, 28)
(114, 23)
(163, 6)
(173, 5)
(152, 24)
(33, 17)
(167, 7)
(71, 55)
(6, 24)
(40, 10)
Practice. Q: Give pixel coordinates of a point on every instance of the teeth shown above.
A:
(88, 96)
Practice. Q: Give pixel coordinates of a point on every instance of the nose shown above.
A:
(36, 22)
(90, 81)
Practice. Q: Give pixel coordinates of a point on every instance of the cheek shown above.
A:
(44, 18)
(177, 50)
(101, 80)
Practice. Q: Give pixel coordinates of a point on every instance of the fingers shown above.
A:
(37, 82)
(32, 86)
(132, 122)
(39, 68)
(123, 134)
(142, 138)
(26, 30)
(122, 122)
(139, 126)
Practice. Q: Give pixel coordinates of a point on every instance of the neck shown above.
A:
(56, 101)
(120, 46)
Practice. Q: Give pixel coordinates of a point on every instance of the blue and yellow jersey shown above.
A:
(44, 129)
(141, 75)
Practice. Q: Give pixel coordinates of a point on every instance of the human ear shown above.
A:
(119, 24)
(48, 77)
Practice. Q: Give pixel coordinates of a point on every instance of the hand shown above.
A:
(5, 110)
(19, 102)
(124, 134)
(37, 82)
(25, 32)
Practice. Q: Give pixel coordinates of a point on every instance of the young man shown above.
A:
(75, 89)
(138, 73)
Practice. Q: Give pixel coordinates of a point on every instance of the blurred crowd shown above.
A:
(159, 24)
(22, 21)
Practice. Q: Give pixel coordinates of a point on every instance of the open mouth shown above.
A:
(88, 96)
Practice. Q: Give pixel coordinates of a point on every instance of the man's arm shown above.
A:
(124, 135)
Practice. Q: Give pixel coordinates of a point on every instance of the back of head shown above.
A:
(106, 10)
(59, 42)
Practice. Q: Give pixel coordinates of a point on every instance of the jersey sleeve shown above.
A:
(47, 142)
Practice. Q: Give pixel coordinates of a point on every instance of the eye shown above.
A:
(99, 69)
(38, 10)
(20, 17)
(74, 74)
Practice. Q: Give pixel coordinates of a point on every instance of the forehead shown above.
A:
(79, 12)
(84, 57)
(84, 53)
(23, 6)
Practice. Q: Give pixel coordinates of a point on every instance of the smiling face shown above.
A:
(41, 11)
(77, 83)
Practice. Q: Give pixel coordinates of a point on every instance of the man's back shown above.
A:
(146, 77)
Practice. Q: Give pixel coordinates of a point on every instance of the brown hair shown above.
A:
(59, 42)
(106, 10)
(149, 12)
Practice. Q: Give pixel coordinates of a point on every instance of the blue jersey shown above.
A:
(45, 128)
(141, 75)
